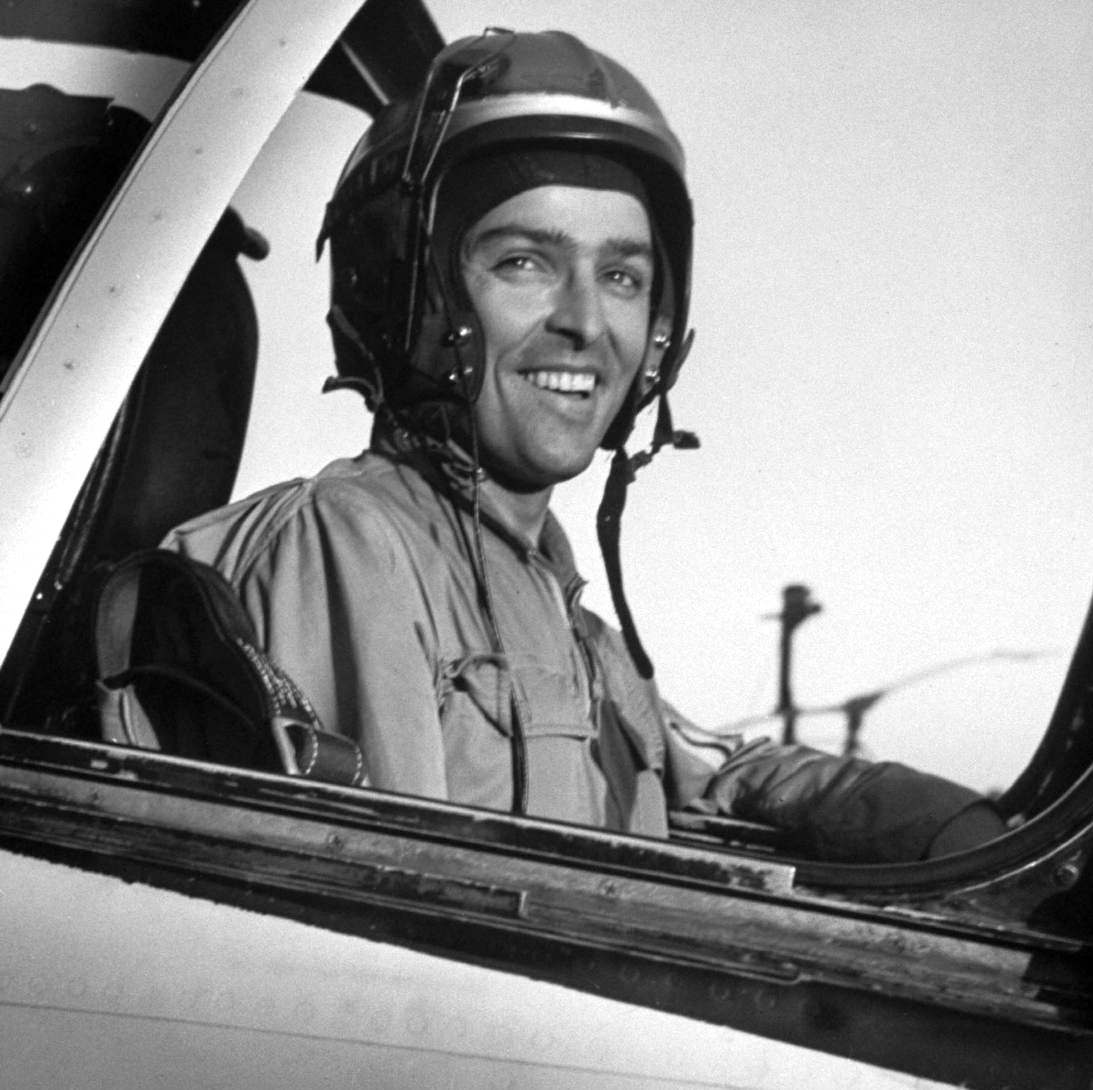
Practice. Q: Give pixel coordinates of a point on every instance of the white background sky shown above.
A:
(891, 379)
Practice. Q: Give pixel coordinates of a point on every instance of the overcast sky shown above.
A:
(890, 379)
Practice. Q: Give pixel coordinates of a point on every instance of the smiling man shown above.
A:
(511, 270)
(560, 278)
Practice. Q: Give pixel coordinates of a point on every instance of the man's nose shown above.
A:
(578, 309)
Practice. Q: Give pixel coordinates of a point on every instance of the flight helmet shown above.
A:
(404, 332)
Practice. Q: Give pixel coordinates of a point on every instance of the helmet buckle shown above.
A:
(460, 374)
(455, 337)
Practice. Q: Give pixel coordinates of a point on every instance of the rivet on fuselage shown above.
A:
(1066, 874)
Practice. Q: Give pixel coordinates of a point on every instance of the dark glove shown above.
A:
(976, 825)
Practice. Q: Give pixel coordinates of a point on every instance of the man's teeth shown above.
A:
(562, 382)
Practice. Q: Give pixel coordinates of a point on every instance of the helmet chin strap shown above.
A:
(608, 530)
(609, 516)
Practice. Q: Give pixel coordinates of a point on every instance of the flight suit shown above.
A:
(366, 585)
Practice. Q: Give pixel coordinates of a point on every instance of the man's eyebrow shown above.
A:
(631, 247)
(623, 247)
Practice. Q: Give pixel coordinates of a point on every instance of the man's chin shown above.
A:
(539, 477)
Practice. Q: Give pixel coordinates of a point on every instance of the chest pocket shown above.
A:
(475, 698)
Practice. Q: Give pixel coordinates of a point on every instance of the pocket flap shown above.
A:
(553, 702)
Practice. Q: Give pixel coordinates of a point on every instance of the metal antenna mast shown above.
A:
(797, 607)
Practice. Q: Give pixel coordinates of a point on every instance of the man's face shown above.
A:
(560, 279)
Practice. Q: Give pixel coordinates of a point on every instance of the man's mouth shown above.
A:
(579, 383)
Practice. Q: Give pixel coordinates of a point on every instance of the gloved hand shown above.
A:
(976, 825)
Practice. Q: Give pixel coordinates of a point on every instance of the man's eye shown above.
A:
(519, 263)
(629, 281)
